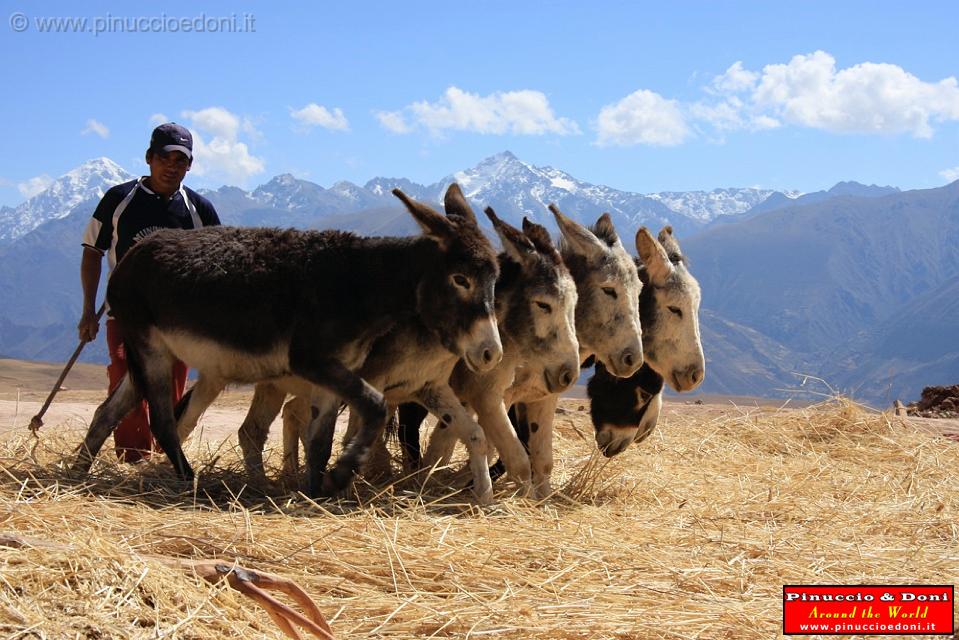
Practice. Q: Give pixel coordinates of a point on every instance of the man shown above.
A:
(126, 214)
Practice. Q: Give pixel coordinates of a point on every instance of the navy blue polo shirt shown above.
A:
(129, 212)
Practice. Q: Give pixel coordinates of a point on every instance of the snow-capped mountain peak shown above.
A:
(286, 191)
(491, 172)
(88, 181)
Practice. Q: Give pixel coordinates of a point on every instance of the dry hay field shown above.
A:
(690, 535)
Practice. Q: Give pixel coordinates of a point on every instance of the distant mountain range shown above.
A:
(512, 187)
(860, 291)
(858, 284)
(779, 200)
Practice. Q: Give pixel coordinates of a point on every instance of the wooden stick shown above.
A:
(37, 421)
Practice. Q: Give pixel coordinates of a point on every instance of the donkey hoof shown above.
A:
(542, 491)
(335, 481)
(523, 489)
(82, 465)
(485, 499)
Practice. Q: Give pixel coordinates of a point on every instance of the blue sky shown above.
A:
(638, 96)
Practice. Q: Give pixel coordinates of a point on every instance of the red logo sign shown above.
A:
(868, 610)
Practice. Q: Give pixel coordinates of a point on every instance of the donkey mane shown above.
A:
(604, 230)
(578, 264)
(510, 272)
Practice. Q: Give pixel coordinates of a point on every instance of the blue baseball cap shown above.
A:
(172, 137)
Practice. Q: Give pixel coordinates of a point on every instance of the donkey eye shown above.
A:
(545, 307)
(611, 292)
(461, 281)
(676, 310)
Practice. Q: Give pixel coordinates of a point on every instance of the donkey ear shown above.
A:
(653, 255)
(456, 204)
(434, 225)
(669, 243)
(539, 236)
(517, 246)
(580, 239)
(605, 230)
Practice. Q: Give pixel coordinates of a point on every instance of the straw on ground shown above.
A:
(690, 535)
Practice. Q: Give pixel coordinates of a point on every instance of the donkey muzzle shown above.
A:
(561, 378)
(486, 350)
(687, 379)
(612, 440)
(626, 362)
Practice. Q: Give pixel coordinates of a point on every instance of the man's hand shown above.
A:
(88, 326)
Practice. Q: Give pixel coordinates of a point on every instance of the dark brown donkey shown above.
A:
(247, 305)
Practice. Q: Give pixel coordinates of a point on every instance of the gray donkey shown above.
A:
(247, 305)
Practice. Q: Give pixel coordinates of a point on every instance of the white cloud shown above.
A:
(393, 121)
(643, 117)
(217, 149)
(951, 175)
(761, 122)
(96, 127)
(864, 98)
(723, 116)
(524, 112)
(249, 128)
(730, 114)
(216, 120)
(735, 79)
(158, 118)
(314, 115)
(808, 91)
(35, 185)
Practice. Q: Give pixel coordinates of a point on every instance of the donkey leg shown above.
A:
(539, 416)
(296, 419)
(363, 399)
(266, 405)
(411, 416)
(517, 417)
(316, 428)
(439, 449)
(443, 403)
(150, 367)
(118, 404)
(201, 396)
(378, 461)
(495, 422)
